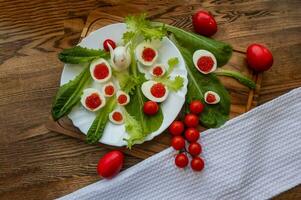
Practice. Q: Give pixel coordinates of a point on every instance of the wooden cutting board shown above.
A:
(242, 98)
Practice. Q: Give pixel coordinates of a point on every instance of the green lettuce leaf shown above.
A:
(198, 83)
(69, 94)
(78, 54)
(238, 76)
(96, 130)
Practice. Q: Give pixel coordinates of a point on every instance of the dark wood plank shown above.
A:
(38, 164)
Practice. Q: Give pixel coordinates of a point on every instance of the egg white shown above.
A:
(139, 50)
(93, 65)
(200, 53)
(120, 93)
(87, 92)
(162, 67)
(111, 117)
(108, 84)
(146, 90)
(217, 97)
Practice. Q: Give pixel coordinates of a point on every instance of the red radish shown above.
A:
(194, 148)
(191, 120)
(196, 107)
(176, 128)
(150, 108)
(259, 57)
(122, 98)
(116, 117)
(110, 164)
(204, 23)
(178, 142)
(192, 134)
(110, 42)
(197, 164)
(181, 160)
(148, 54)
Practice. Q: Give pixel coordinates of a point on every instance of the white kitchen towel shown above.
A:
(254, 156)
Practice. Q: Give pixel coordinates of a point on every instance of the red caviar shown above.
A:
(122, 99)
(93, 101)
(205, 63)
(158, 71)
(117, 116)
(210, 98)
(101, 71)
(148, 54)
(109, 90)
(158, 90)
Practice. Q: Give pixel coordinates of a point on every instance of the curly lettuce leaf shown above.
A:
(172, 84)
(138, 26)
(78, 54)
(69, 94)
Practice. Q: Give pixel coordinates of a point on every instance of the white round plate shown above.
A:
(114, 134)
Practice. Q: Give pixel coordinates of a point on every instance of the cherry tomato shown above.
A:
(196, 107)
(197, 164)
(181, 160)
(176, 128)
(178, 142)
(150, 108)
(192, 134)
(191, 120)
(259, 57)
(110, 164)
(194, 148)
(204, 23)
(106, 46)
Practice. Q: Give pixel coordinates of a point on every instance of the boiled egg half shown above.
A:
(122, 98)
(154, 91)
(204, 61)
(100, 70)
(158, 70)
(211, 97)
(92, 99)
(146, 53)
(116, 116)
(109, 89)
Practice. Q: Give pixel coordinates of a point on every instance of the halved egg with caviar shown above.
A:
(146, 53)
(92, 99)
(109, 89)
(211, 97)
(100, 70)
(122, 98)
(116, 116)
(154, 91)
(158, 70)
(204, 61)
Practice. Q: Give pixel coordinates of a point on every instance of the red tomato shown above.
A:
(178, 142)
(150, 108)
(197, 164)
(259, 57)
(204, 23)
(195, 148)
(176, 128)
(191, 120)
(192, 134)
(181, 160)
(110, 164)
(106, 46)
(196, 107)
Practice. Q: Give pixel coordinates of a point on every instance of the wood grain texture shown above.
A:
(38, 164)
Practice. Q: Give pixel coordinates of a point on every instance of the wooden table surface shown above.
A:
(38, 164)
